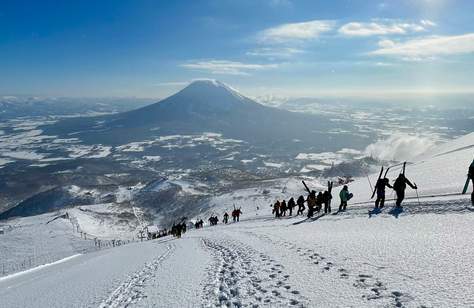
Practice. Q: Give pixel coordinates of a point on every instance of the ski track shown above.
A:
(132, 289)
(244, 277)
(374, 289)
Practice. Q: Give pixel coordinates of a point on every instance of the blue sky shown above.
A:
(262, 47)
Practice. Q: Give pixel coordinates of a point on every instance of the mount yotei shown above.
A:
(211, 106)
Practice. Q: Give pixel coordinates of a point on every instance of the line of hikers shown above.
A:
(213, 220)
(314, 201)
(178, 229)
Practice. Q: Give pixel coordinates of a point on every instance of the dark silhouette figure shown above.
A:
(291, 205)
(399, 186)
(301, 207)
(311, 200)
(226, 218)
(236, 214)
(276, 209)
(319, 201)
(380, 189)
(327, 202)
(471, 176)
(283, 208)
(213, 220)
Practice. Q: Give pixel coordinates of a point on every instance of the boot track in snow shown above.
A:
(243, 277)
(131, 290)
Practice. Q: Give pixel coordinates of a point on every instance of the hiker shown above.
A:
(319, 202)
(226, 218)
(327, 201)
(236, 215)
(344, 195)
(301, 207)
(276, 209)
(471, 176)
(311, 200)
(399, 186)
(283, 208)
(291, 205)
(380, 189)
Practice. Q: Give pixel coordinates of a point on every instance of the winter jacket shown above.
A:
(344, 195)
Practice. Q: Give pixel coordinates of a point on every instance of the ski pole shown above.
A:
(417, 196)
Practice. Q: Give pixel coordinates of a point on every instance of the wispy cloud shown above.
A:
(226, 67)
(296, 31)
(384, 28)
(275, 52)
(427, 47)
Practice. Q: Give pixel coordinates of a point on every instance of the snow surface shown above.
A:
(420, 256)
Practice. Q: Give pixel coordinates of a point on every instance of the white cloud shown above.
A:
(296, 31)
(270, 52)
(426, 22)
(227, 67)
(427, 47)
(384, 28)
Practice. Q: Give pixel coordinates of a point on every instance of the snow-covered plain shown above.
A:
(420, 256)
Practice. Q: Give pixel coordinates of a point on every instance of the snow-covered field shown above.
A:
(420, 256)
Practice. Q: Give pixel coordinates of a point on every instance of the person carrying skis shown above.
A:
(471, 176)
(327, 202)
(283, 208)
(291, 205)
(311, 203)
(380, 189)
(344, 196)
(226, 218)
(276, 209)
(301, 207)
(399, 186)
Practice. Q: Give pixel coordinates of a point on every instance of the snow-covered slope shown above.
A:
(440, 171)
(420, 256)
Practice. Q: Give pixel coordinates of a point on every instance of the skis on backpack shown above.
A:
(375, 187)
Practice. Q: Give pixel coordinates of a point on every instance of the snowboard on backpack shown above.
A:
(349, 197)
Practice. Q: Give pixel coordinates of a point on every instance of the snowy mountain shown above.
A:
(210, 106)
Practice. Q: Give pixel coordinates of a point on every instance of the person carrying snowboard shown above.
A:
(226, 218)
(380, 189)
(301, 207)
(344, 195)
(291, 205)
(399, 186)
